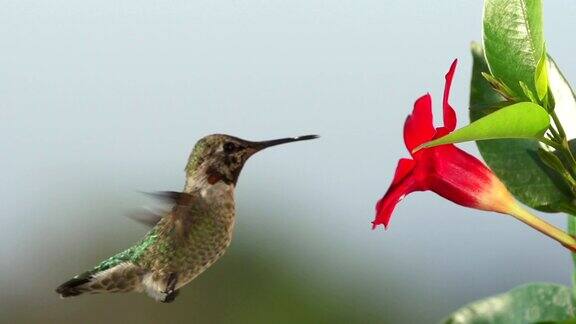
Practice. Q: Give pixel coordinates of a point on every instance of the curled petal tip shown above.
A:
(375, 224)
(448, 111)
(452, 68)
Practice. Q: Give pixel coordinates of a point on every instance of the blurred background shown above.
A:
(102, 99)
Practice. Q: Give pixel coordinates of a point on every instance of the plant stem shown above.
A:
(572, 231)
(551, 143)
(554, 132)
(544, 227)
(558, 124)
(561, 140)
(570, 155)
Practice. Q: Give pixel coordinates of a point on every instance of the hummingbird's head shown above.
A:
(219, 157)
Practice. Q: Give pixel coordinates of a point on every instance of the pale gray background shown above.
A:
(100, 99)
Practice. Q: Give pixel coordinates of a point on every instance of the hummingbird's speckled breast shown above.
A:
(192, 237)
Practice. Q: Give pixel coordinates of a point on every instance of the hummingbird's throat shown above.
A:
(209, 177)
(228, 176)
(210, 187)
(215, 177)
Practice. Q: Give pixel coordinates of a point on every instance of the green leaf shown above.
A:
(553, 161)
(530, 303)
(568, 321)
(521, 120)
(481, 91)
(513, 40)
(515, 161)
(500, 87)
(541, 77)
(527, 92)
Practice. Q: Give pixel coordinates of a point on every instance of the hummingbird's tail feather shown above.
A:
(124, 277)
(72, 287)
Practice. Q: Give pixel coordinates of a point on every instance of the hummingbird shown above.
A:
(189, 238)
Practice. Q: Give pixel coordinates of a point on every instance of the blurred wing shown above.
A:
(151, 218)
(146, 217)
(172, 197)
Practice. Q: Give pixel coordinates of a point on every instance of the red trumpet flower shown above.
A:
(451, 172)
(446, 169)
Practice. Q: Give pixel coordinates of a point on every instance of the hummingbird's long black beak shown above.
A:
(265, 144)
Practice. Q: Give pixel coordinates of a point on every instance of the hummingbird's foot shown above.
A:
(171, 291)
(171, 296)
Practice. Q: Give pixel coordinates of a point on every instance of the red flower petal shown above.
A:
(404, 167)
(449, 113)
(460, 177)
(402, 185)
(418, 127)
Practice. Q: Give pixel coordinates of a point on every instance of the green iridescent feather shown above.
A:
(132, 254)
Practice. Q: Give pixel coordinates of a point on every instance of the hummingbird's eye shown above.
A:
(229, 147)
